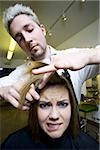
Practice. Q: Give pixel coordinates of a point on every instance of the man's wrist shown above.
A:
(1, 93)
(94, 56)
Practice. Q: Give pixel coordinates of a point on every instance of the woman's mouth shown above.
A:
(51, 127)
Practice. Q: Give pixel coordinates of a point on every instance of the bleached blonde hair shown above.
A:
(13, 11)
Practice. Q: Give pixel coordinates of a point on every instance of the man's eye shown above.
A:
(19, 38)
(62, 104)
(30, 30)
(44, 105)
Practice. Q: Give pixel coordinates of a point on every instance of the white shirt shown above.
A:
(77, 77)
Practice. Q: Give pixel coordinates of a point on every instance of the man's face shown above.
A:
(54, 110)
(29, 35)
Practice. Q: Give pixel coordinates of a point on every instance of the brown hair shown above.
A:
(74, 121)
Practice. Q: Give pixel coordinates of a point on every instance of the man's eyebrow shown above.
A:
(18, 34)
(25, 26)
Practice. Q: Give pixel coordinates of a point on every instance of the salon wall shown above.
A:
(12, 63)
(88, 37)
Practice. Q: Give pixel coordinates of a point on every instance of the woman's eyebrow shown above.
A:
(45, 97)
(63, 100)
(43, 101)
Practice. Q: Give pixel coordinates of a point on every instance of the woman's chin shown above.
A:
(55, 135)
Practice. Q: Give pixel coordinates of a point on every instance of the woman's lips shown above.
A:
(53, 127)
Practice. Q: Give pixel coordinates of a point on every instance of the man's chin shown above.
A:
(37, 57)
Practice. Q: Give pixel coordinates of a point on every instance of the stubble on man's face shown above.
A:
(30, 36)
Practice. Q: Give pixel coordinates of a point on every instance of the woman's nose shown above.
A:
(54, 114)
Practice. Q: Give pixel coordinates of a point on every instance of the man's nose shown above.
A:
(54, 114)
(27, 37)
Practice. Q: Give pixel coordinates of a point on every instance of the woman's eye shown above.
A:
(44, 105)
(62, 104)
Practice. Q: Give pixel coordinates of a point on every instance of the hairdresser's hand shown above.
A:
(12, 94)
(61, 62)
(44, 80)
(71, 61)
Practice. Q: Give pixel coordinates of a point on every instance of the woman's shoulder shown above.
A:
(85, 141)
(17, 139)
(18, 134)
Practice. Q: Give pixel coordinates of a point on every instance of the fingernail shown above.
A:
(34, 71)
(40, 86)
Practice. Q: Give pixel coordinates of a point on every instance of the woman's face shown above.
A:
(54, 110)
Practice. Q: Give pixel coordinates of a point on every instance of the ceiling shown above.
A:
(78, 14)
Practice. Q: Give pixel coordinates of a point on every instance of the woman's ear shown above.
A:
(43, 29)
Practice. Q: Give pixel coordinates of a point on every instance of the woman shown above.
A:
(53, 121)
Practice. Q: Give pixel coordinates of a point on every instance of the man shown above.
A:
(23, 25)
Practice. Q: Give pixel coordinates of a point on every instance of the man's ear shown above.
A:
(43, 29)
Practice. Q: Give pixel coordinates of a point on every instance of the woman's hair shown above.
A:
(74, 121)
(13, 11)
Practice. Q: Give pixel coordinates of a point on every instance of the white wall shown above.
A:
(88, 37)
(12, 63)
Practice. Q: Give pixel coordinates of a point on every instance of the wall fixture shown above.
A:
(83, 1)
(9, 55)
(64, 18)
(49, 33)
(1, 69)
(11, 49)
(27, 59)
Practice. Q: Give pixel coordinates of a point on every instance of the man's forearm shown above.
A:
(94, 55)
(90, 55)
(73, 59)
(1, 93)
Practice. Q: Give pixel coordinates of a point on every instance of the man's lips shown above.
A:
(53, 126)
(33, 47)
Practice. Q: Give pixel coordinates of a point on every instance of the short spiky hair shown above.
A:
(13, 11)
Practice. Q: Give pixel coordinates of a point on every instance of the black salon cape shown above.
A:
(22, 140)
